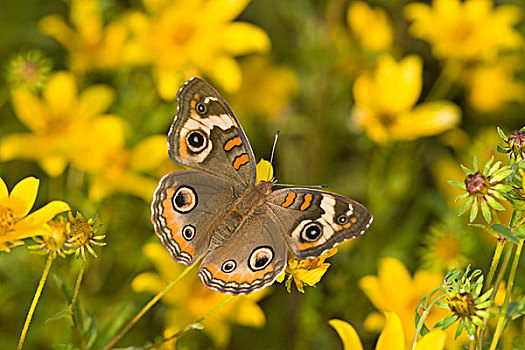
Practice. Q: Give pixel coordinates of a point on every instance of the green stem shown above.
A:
(444, 81)
(192, 325)
(495, 261)
(74, 305)
(146, 307)
(510, 284)
(36, 297)
(423, 317)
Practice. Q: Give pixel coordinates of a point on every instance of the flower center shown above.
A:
(517, 141)
(82, 231)
(477, 184)
(461, 304)
(182, 34)
(7, 219)
(55, 242)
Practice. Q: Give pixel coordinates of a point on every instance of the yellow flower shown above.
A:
(114, 167)
(57, 121)
(394, 290)
(90, 44)
(190, 299)
(266, 87)
(29, 70)
(469, 30)
(305, 271)
(370, 26)
(492, 86)
(391, 338)
(82, 234)
(55, 243)
(184, 38)
(446, 246)
(15, 223)
(385, 99)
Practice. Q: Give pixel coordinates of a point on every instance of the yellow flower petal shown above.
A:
(427, 119)
(53, 164)
(24, 230)
(55, 26)
(29, 109)
(371, 286)
(226, 72)
(147, 282)
(374, 322)
(168, 82)
(24, 146)
(347, 334)
(223, 10)
(392, 337)
(4, 192)
(23, 196)
(46, 213)
(435, 340)
(149, 153)
(240, 38)
(264, 171)
(395, 278)
(60, 93)
(95, 100)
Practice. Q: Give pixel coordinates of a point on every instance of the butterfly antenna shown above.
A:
(307, 186)
(273, 151)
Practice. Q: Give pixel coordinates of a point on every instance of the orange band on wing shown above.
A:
(236, 141)
(307, 202)
(240, 161)
(193, 103)
(290, 197)
(304, 246)
(237, 277)
(173, 225)
(183, 151)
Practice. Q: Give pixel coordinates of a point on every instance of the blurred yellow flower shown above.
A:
(266, 88)
(190, 299)
(393, 289)
(306, 271)
(115, 167)
(91, 45)
(385, 99)
(446, 246)
(15, 223)
(57, 121)
(492, 86)
(370, 26)
(186, 38)
(391, 337)
(465, 30)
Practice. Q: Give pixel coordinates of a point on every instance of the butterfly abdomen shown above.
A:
(247, 205)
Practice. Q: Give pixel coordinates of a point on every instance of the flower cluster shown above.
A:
(466, 301)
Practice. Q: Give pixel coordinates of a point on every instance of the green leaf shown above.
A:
(458, 184)
(446, 322)
(515, 218)
(487, 165)
(466, 170)
(494, 204)
(501, 148)
(504, 232)
(494, 168)
(479, 226)
(465, 206)
(460, 328)
(474, 210)
(62, 314)
(462, 196)
(502, 134)
(500, 175)
(475, 163)
(486, 211)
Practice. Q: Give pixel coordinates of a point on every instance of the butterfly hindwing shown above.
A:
(185, 208)
(248, 260)
(206, 136)
(315, 221)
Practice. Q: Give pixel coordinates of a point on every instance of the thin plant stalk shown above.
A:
(495, 261)
(74, 305)
(192, 325)
(146, 308)
(444, 81)
(36, 297)
(423, 318)
(510, 284)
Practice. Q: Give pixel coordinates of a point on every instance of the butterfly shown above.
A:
(242, 228)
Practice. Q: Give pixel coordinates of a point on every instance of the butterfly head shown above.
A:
(266, 186)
